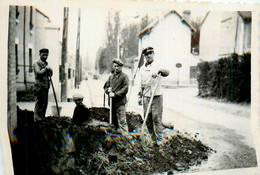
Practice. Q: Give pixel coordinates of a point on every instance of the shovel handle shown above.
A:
(110, 112)
(104, 100)
(150, 103)
(57, 107)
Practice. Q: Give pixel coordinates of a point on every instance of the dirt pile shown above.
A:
(58, 147)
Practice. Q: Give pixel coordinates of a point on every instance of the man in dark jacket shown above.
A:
(81, 112)
(42, 72)
(117, 87)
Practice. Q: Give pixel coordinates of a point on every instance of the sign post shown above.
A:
(178, 65)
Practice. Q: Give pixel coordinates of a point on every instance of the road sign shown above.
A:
(178, 65)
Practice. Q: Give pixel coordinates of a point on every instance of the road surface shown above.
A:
(224, 127)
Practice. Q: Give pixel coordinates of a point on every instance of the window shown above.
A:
(69, 73)
(16, 59)
(60, 73)
(31, 19)
(193, 71)
(17, 13)
(30, 60)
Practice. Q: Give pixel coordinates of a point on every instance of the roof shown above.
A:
(149, 27)
(37, 10)
(246, 15)
(204, 19)
(52, 27)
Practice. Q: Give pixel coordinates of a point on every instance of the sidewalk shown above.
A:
(67, 107)
(93, 93)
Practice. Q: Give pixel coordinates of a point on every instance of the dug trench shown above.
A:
(55, 145)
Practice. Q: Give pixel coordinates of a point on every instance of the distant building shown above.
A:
(224, 33)
(34, 31)
(170, 36)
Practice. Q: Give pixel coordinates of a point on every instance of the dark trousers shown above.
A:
(119, 118)
(154, 119)
(41, 103)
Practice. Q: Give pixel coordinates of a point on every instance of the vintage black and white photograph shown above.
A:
(130, 87)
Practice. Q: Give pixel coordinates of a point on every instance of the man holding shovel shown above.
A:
(117, 87)
(42, 72)
(151, 90)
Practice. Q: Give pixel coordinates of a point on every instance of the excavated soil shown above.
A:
(56, 146)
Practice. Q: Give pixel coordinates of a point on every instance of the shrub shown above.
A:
(228, 78)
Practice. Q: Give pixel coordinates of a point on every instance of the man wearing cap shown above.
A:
(42, 72)
(117, 87)
(81, 112)
(149, 74)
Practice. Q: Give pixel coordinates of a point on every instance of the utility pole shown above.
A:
(24, 52)
(118, 47)
(78, 67)
(64, 55)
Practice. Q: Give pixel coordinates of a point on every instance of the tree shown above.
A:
(110, 50)
(124, 42)
(195, 37)
(144, 22)
(129, 44)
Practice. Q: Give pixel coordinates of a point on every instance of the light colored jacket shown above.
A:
(41, 74)
(148, 82)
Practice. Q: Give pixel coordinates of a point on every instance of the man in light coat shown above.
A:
(149, 75)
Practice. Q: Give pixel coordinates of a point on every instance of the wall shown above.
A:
(171, 40)
(222, 34)
(52, 42)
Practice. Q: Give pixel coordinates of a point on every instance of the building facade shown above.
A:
(34, 31)
(223, 33)
(170, 36)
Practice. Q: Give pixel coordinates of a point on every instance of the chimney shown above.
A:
(186, 15)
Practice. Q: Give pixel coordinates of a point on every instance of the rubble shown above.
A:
(59, 147)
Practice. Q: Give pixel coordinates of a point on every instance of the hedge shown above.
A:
(228, 78)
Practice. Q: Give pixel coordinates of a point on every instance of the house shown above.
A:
(170, 36)
(34, 31)
(223, 33)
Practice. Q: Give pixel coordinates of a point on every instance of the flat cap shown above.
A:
(118, 61)
(77, 96)
(44, 50)
(147, 50)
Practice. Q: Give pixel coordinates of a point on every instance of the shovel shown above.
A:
(110, 112)
(104, 100)
(150, 103)
(58, 111)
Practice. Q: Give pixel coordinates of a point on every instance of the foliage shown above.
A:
(144, 22)
(195, 36)
(228, 78)
(128, 43)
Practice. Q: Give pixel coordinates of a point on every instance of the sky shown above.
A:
(94, 19)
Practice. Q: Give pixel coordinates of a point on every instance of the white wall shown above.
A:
(222, 34)
(54, 46)
(209, 37)
(171, 40)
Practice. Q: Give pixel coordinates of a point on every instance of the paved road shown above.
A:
(222, 126)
